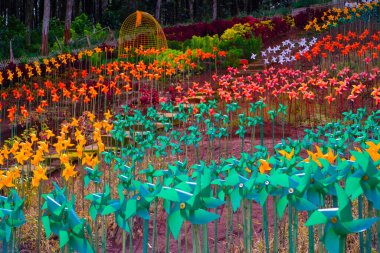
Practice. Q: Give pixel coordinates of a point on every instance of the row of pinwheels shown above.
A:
(337, 16)
(191, 191)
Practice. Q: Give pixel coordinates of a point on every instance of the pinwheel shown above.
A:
(11, 214)
(92, 175)
(235, 184)
(365, 180)
(151, 173)
(100, 202)
(61, 219)
(187, 206)
(176, 173)
(338, 222)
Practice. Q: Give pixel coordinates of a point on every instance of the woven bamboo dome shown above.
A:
(140, 30)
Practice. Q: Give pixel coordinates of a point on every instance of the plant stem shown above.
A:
(154, 225)
(290, 227)
(275, 232)
(311, 236)
(196, 238)
(205, 248)
(39, 217)
(146, 236)
(360, 214)
(265, 222)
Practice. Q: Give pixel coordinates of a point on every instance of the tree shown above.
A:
(69, 13)
(158, 10)
(45, 28)
(214, 9)
(237, 7)
(28, 20)
(191, 10)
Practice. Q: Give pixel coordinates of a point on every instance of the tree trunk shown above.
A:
(191, 10)
(237, 7)
(45, 28)
(158, 10)
(214, 9)
(103, 7)
(28, 20)
(246, 7)
(69, 13)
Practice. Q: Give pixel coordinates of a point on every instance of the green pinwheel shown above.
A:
(293, 193)
(151, 173)
(60, 218)
(11, 214)
(236, 188)
(338, 222)
(365, 180)
(100, 202)
(182, 205)
(139, 203)
(176, 173)
(92, 175)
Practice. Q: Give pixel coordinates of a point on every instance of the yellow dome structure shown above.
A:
(140, 29)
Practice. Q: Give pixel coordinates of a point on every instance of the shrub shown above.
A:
(238, 30)
(245, 46)
(206, 43)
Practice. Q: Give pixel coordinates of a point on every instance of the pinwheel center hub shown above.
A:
(334, 220)
(241, 185)
(138, 197)
(291, 190)
(365, 177)
(182, 205)
(311, 180)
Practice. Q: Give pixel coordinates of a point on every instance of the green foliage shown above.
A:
(307, 3)
(238, 30)
(247, 46)
(177, 45)
(168, 55)
(13, 30)
(112, 19)
(206, 43)
(81, 26)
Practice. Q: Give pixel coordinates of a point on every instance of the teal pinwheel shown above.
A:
(11, 214)
(282, 109)
(139, 203)
(175, 173)
(232, 107)
(100, 202)
(292, 193)
(92, 175)
(338, 222)
(60, 218)
(235, 188)
(180, 205)
(365, 180)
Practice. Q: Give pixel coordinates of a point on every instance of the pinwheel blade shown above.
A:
(201, 216)
(332, 241)
(359, 225)
(175, 221)
(316, 218)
